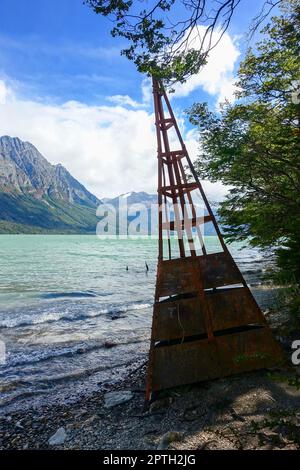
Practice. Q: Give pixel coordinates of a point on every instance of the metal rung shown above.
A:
(174, 153)
(185, 186)
(172, 225)
(166, 193)
(166, 124)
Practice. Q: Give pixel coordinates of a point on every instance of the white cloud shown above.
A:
(215, 192)
(217, 76)
(110, 149)
(147, 91)
(124, 100)
(5, 92)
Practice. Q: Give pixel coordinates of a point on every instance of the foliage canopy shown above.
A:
(170, 39)
(252, 145)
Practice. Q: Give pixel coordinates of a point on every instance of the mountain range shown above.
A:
(132, 198)
(38, 197)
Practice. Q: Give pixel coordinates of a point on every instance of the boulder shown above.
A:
(58, 438)
(115, 398)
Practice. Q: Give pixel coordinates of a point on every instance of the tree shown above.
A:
(253, 146)
(171, 39)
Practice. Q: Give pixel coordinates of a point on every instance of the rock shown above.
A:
(168, 438)
(205, 444)
(109, 344)
(117, 398)
(58, 438)
(236, 415)
(268, 436)
(159, 405)
(15, 440)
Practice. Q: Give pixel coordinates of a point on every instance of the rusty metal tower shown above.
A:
(206, 323)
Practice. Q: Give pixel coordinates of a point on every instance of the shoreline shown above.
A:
(255, 410)
(88, 382)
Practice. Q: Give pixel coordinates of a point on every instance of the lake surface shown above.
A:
(65, 299)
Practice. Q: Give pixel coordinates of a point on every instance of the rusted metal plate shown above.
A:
(176, 277)
(229, 308)
(183, 364)
(249, 350)
(219, 269)
(233, 307)
(177, 319)
(203, 360)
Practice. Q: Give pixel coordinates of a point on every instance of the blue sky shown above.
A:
(61, 49)
(59, 67)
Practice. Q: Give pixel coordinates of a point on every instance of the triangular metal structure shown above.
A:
(206, 323)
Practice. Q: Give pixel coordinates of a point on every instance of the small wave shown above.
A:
(252, 271)
(44, 355)
(58, 295)
(128, 308)
(242, 260)
(114, 311)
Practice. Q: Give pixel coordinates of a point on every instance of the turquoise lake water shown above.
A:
(63, 299)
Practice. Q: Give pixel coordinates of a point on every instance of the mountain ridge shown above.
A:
(28, 171)
(34, 193)
(38, 197)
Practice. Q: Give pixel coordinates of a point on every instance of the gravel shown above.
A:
(249, 411)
